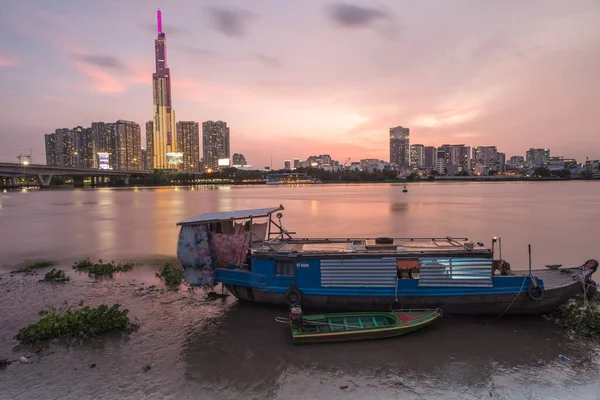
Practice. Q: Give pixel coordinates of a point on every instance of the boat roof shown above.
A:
(230, 215)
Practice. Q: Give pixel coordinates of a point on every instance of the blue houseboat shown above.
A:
(256, 259)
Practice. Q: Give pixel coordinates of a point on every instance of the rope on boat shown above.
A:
(512, 302)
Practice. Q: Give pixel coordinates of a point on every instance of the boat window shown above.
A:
(285, 268)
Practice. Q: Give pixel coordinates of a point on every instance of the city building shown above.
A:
(430, 157)
(417, 156)
(484, 155)
(440, 160)
(457, 154)
(150, 145)
(287, 164)
(238, 160)
(537, 156)
(400, 147)
(128, 149)
(215, 144)
(51, 144)
(517, 161)
(164, 131)
(85, 146)
(188, 144)
(60, 148)
(144, 160)
(296, 163)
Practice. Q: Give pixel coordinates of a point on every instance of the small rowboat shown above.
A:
(340, 327)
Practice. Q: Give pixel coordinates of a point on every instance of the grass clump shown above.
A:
(80, 323)
(171, 275)
(578, 317)
(101, 268)
(56, 275)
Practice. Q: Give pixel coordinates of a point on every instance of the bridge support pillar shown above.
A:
(44, 180)
(78, 181)
(93, 181)
(126, 180)
(13, 181)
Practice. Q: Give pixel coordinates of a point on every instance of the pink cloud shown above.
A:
(101, 81)
(8, 61)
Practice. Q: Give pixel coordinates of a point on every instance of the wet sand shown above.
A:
(224, 349)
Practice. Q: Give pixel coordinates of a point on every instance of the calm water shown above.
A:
(223, 350)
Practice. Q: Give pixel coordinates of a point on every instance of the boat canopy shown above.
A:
(230, 215)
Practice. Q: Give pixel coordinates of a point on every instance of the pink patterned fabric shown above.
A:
(229, 249)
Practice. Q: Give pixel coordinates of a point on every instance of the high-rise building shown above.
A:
(150, 145)
(128, 152)
(287, 164)
(296, 163)
(440, 160)
(51, 149)
(400, 146)
(238, 160)
(144, 160)
(215, 143)
(85, 147)
(430, 157)
(188, 143)
(516, 161)
(537, 156)
(163, 129)
(484, 155)
(417, 156)
(457, 154)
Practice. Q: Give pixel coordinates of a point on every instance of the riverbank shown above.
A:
(192, 348)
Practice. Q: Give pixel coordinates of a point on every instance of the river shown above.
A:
(224, 350)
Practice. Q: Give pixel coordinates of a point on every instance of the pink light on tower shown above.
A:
(159, 21)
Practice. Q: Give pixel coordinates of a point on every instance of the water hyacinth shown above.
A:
(76, 322)
(101, 268)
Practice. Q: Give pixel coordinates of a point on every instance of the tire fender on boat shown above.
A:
(535, 293)
(293, 296)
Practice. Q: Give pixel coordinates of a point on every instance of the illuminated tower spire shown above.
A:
(163, 129)
(159, 21)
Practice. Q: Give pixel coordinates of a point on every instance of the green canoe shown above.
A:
(360, 325)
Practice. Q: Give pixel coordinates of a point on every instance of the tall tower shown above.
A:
(400, 146)
(163, 130)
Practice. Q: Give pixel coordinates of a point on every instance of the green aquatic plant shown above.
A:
(171, 275)
(56, 275)
(101, 268)
(76, 322)
(578, 317)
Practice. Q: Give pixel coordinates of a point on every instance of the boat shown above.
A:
(342, 327)
(405, 189)
(256, 259)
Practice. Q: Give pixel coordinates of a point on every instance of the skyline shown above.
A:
(511, 75)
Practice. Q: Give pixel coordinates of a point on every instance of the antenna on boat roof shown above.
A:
(529, 259)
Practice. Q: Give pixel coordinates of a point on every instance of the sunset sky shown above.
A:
(296, 78)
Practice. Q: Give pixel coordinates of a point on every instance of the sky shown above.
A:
(298, 78)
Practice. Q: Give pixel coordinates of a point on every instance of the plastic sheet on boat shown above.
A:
(194, 253)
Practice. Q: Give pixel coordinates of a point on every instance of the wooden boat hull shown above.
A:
(416, 320)
(557, 292)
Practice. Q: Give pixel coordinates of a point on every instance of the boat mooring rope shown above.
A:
(520, 290)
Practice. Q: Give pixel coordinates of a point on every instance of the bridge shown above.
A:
(45, 173)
